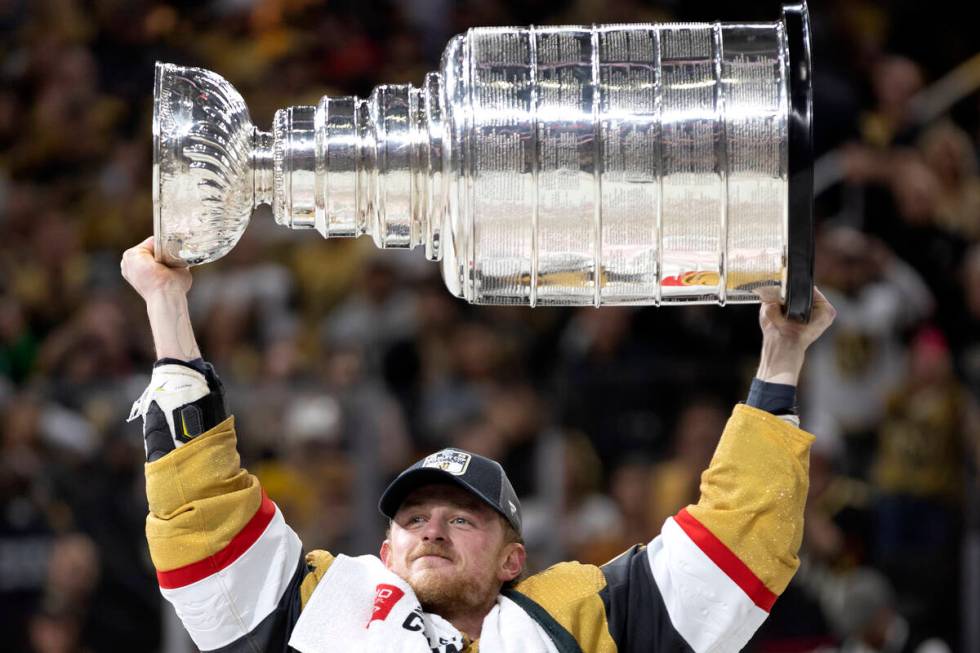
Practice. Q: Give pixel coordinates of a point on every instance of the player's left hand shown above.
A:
(785, 341)
(776, 326)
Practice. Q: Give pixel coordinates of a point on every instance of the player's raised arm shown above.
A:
(164, 290)
(746, 529)
(185, 397)
(709, 580)
(225, 557)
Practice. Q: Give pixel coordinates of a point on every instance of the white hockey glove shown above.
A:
(180, 403)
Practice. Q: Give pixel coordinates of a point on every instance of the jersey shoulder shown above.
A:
(317, 564)
(569, 579)
(569, 592)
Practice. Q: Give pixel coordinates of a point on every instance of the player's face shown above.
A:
(451, 548)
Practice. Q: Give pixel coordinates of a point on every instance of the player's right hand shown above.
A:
(150, 277)
(792, 334)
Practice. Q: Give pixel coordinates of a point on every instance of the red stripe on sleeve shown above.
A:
(726, 560)
(239, 544)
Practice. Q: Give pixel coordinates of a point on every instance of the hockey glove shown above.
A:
(182, 401)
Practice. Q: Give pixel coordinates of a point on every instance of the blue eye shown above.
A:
(463, 520)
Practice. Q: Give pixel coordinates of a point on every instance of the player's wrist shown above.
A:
(781, 361)
(162, 286)
(164, 299)
(173, 335)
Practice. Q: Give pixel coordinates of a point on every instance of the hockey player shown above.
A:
(446, 578)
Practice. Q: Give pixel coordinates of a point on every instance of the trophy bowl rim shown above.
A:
(160, 69)
(799, 282)
(157, 75)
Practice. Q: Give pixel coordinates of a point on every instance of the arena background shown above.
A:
(343, 364)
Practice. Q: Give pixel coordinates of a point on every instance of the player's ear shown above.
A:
(385, 553)
(512, 562)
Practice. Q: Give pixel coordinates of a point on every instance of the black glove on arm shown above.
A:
(184, 399)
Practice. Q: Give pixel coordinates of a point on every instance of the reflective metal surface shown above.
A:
(202, 165)
(574, 165)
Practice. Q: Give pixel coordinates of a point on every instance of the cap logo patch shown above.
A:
(449, 460)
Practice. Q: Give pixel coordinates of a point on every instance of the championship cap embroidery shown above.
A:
(449, 460)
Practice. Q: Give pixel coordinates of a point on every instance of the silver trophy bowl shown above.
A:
(203, 167)
(641, 164)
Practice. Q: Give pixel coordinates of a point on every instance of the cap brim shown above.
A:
(402, 486)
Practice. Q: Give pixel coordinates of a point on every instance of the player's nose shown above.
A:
(434, 529)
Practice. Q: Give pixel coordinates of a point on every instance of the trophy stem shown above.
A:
(350, 167)
(261, 167)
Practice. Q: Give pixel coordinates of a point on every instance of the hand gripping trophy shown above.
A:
(608, 164)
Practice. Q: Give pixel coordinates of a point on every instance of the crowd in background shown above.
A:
(343, 364)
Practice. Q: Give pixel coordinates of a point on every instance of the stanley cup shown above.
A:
(640, 164)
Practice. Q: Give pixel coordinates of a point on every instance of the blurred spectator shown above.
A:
(56, 630)
(676, 482)
(18, 346)
(903, 212)
(461, 390)
(604, 365)
(965, 334)
(375, 316)
(607, 528)
(894, 81)
(590, 523)
(863, 611)
(73, 571)
(929, 432)
(851, 370)
(245, 307)
(26, 534)
(948, 152)
(311, 478)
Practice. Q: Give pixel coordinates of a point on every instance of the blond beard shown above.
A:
(448, 595)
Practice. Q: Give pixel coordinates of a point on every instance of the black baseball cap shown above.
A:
(477, 474)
